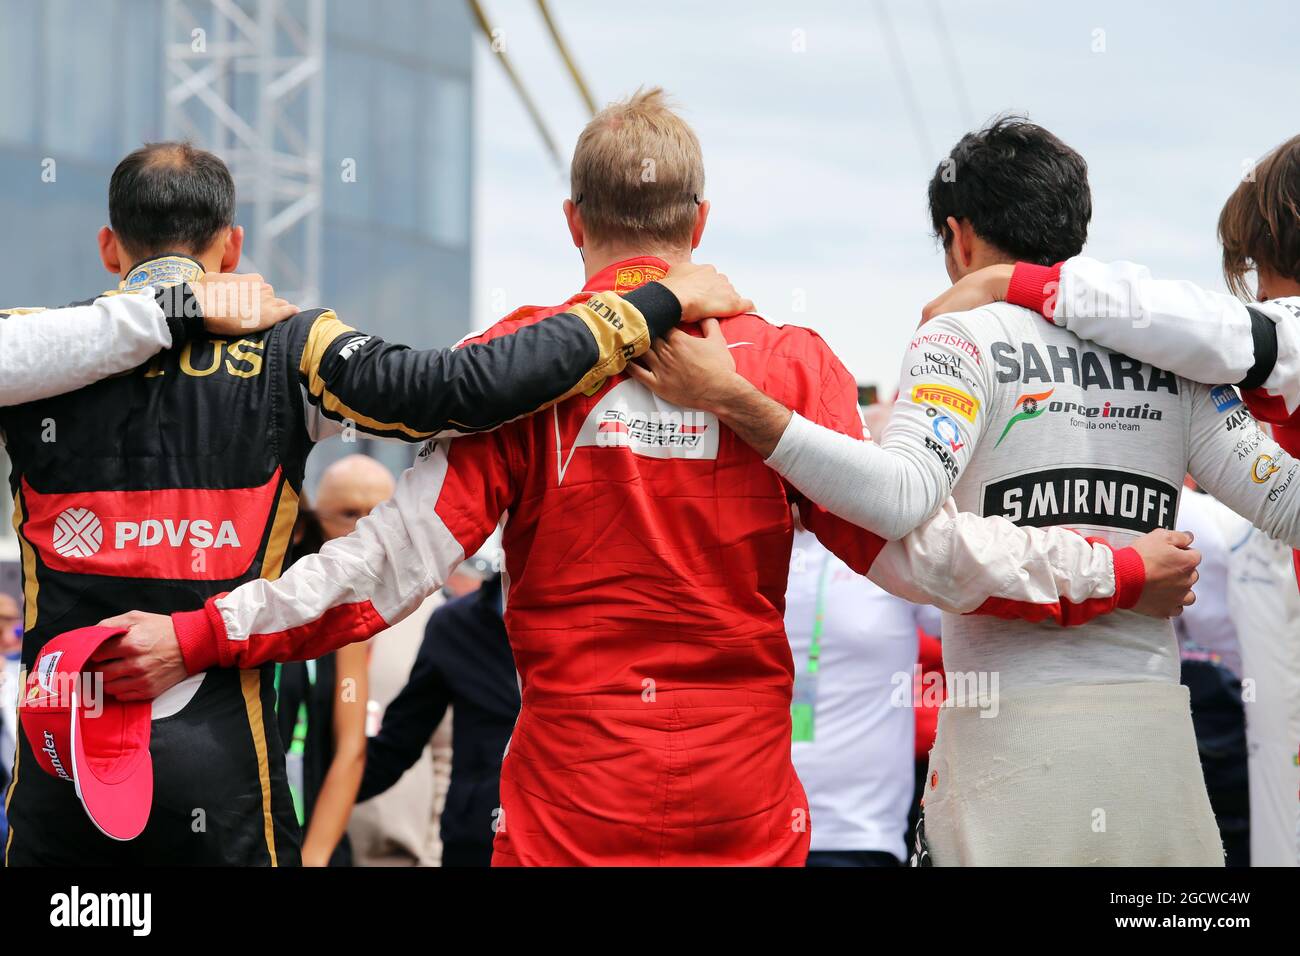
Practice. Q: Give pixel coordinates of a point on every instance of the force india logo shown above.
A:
(1033, 405)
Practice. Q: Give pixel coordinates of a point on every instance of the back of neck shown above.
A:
(598, 258)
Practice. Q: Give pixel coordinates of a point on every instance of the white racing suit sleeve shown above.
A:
(1208, 337)
(964, 563)
(892, 487)
(50, 352)
(361, 584)
(1234, 460)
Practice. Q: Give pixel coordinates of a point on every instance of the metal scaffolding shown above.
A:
(245, 78)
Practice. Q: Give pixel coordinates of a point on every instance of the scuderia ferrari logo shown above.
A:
(630, 416)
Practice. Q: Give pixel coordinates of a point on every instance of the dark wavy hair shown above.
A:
(1022, 190)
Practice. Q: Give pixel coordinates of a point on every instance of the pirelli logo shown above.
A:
(944, 396)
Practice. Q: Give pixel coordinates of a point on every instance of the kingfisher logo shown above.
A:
(1027, 407)
(630, 416)
(174, 534)
(77, 533)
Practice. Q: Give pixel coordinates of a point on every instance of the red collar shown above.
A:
(629, 274)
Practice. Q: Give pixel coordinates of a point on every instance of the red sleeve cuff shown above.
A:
(1035, 287)
(1130, 577)
(200, 634)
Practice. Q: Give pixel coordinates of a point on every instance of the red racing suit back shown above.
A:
(646, 555)
(647, 550)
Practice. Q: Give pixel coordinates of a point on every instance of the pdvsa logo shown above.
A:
(77, 533)
(174, 534)
(178, 533)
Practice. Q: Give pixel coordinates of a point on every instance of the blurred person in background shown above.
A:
(321, 704)
(929, 690)
(400, 824)
(855, 648)
(928, 679)
(928, 685)
(11, 646)
(1265, 607)
(464, 665)
(1211, 670)
(855, 742)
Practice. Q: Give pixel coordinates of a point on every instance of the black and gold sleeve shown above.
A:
(397, 392)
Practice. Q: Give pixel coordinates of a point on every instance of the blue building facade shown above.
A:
(83, 83)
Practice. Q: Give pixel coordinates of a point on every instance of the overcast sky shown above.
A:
(817, 169)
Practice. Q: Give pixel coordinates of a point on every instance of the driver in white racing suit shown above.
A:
(1077, 751)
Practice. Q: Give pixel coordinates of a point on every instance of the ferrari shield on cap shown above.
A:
(98, 744)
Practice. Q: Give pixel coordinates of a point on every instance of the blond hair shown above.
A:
(638, 173)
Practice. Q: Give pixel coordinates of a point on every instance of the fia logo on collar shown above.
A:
(168, 270)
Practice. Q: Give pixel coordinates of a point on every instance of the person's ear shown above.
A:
(109, 252)
(701, 220)
(961, 247)
(233, 249)
(574, 218)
